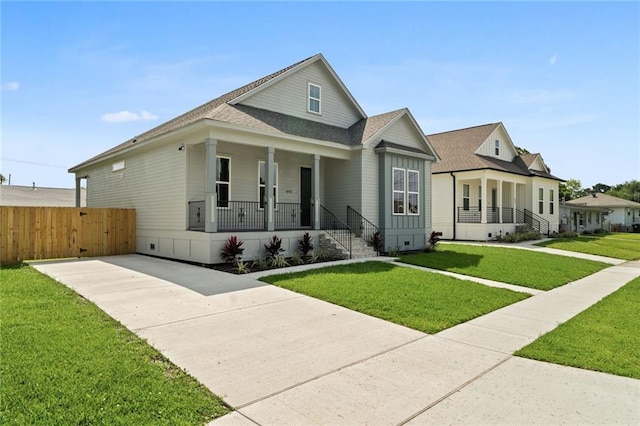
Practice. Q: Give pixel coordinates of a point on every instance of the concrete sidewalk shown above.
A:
(282, 358)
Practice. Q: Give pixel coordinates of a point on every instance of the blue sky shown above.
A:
(80, 77)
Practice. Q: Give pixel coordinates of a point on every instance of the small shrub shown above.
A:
(305, 245)
(376, 242)
(232, 250)
(314, 258)
(274, 247)
(242, 267)
(587, 232)
(600, 231)
(522, 236)
(260, 263)
(394, 252)
(434, 238)
(278, 261)
(296, 259)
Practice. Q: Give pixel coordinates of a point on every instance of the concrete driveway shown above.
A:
(282, 358)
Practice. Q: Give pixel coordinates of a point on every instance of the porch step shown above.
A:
(359, 249)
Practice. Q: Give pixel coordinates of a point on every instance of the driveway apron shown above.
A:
(282, 358)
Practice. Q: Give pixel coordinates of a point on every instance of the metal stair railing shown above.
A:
(360, 225)
(543, 225)
(336, 228)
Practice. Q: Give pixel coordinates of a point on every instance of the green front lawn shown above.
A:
(619, 246)
(420, 300)
(603, 338)
(63, 361)
(526, 268)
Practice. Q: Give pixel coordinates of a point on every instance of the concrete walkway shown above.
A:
(282, 358)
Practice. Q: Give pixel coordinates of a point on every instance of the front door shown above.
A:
(305, 196)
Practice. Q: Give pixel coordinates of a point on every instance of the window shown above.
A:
(398, 191)
(598, 218)
(413, 192)
(540, 201)
(465, 197)
(589, 218)
(117, 166)
(262, 178)
(479, 198)
(497, 148)
(551, 201)
(314, 98)
(223, 181)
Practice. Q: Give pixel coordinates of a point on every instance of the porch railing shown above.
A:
(246, 216)
(469, 215)
(360, 225)
(507, 215)
(493, 215)
(339, 230)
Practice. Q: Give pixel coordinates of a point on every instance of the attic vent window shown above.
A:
(497, 147)
(314, 98)
(117, 166)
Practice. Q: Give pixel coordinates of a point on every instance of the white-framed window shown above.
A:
(262, 178)
(497, 145)
(117, 166)
(399, 191)
(540, 201)
(479, 198)
(223, 180)
(413, 192)
(465, 197)
(314, 99)
(551, 201)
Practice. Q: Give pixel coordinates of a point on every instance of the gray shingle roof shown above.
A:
(603, 200)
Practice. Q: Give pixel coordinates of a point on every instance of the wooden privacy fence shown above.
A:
(29, 233)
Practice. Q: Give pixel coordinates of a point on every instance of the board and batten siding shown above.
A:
(152, 182)
(290, 95)
(507, 153)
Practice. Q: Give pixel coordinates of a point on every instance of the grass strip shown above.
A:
(64, 361)
(618, 246)
(526, 268)
(420, 300)
(603, 338)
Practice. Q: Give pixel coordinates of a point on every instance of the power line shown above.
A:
(35, 163)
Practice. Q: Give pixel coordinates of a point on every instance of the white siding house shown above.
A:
(292, 152)
(600, 211)
(483, 189)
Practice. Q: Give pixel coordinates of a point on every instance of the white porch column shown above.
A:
(269, 202)
(78, 191)
(315, 190)
(499, 201)
(514, 201)
(485, 200)
(210, 188)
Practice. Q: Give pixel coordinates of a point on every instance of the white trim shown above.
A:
(417, 193)
(117, 166)
(467, 197)
(394, 191)
(275, 185)
(313, 98)
(223, 182)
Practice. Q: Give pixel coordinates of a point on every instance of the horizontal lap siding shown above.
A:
(488, 148)
(403, 132)
(370, 186)
(343, 185)
(152, 182)
(290, 95)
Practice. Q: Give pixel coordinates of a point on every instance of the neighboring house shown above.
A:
(294, 145)
(599, 210)
(483, 189)
(35, 196)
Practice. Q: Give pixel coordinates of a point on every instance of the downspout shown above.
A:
(454, 204)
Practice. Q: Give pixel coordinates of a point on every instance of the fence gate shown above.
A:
(30, 233)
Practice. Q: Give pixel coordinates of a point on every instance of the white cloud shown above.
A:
(553, 60)
(127, 116)
(11, 86)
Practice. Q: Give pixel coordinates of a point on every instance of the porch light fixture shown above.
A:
(181, 147)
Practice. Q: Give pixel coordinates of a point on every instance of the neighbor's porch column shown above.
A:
(315, 190)
(499, 201)
(78, 191)
(514, 201)
(269, 202)
(483, 196)
(210, 189)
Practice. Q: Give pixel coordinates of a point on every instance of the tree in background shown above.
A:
(629, 190)
(572, 189)
(600, 187)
